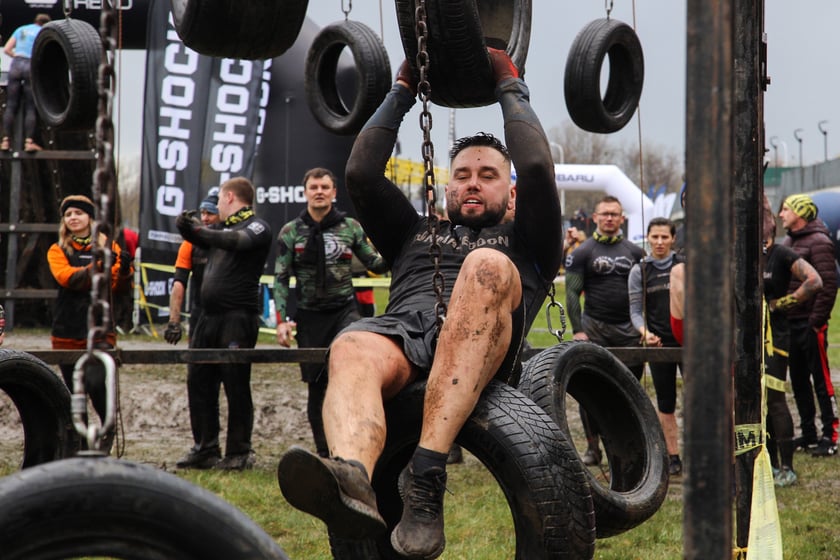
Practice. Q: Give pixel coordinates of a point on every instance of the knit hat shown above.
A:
(79, 201)
(211, 203)
(802, 206)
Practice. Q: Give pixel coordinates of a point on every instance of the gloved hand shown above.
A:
(188, 221)
(172, 333)
(125, 263)
(503, 67)
(407, 74)
(784, 303)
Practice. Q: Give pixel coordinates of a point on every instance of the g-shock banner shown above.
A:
(202, 125)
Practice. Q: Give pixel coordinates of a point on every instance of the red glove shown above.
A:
(503, 67)
(406, 74)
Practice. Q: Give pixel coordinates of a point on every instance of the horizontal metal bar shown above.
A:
(30, 293)
(291, 355)
(50, 155)
(29, 228)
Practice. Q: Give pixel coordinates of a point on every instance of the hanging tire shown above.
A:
(105, 507)
(459, 32)
(372, 76)
(65, 69)
(43, 403)
(600, 39)
(630, 431)
(537, 470)
(237, 29)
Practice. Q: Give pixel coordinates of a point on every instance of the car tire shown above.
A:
(43, 403)
(104, 507)
(590, 110)
(372, 76)
(65, 69)
(459, 33)
(537, 470)
(237, 29)
(630, 431)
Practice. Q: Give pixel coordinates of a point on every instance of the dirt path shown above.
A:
(155, 416)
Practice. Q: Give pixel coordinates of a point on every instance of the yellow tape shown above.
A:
(747, 437)
(774, 383)
(765, 538)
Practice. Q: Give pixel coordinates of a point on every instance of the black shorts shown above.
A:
(416, 333)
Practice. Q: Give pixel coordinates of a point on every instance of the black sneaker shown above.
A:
(238, 462)
(802, 443)
(592, 457)
(200, 459)
(419, 534)
(674, 465)
(824, 448)
(335, 491)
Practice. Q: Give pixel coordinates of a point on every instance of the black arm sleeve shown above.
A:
(382, 209)
(538, 213)
(229, 240)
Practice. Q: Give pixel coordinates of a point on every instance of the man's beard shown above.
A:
(490, 217)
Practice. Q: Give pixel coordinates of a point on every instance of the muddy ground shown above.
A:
(154, 415)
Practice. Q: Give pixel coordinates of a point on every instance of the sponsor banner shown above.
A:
(203, 121)
(201, 126)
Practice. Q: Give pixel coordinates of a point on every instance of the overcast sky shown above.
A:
(803, 46)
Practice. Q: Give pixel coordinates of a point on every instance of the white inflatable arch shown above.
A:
(638, 208)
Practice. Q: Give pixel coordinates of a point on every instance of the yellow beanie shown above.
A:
(802, 206)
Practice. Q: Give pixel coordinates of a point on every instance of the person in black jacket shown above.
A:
(496, 277)
(230, 298)
(808, 236)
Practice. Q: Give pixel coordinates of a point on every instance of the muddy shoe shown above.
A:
(592, 457)
(674, 465)
(419, 534)
(238, 462)
(200, 459)
(335, 491)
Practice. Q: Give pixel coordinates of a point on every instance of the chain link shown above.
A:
(424, 90)
(347, 10)
(104, 189)
(608, 6)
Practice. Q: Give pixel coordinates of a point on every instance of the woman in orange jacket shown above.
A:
(71, 263)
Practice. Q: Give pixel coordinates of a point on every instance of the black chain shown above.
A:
(104, 189)
(424, 90)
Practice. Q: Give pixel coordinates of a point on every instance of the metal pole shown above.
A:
(562, 161)
(774, 141)
(798, 135)
(707, 486)
(707, 519)
(750, 54)
(825, 138)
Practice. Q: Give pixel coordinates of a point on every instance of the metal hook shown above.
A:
(78, 403)
(608, 6)
(347, 10)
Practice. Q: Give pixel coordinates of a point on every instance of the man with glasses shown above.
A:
(599, 268)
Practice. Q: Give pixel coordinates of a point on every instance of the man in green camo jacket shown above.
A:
(317, 249)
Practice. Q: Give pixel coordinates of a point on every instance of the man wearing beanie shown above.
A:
(190, 261)
(809, 237)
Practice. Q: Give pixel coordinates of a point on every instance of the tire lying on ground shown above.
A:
(43, 403)
(536, 468)
(322, 81)
(65, 68)
(239, 29)
(459, 32)
(600, 39)
(105, 507)
(630, 431)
